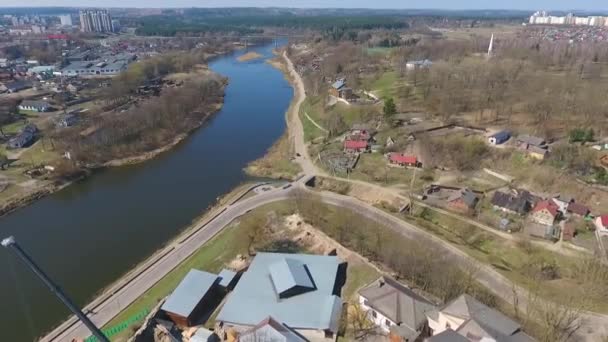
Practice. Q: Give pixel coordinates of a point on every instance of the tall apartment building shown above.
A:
(543, 18)
(95, 21)
(66, 20)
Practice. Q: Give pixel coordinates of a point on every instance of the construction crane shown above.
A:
(11, 244)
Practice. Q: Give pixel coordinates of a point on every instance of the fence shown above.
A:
(109, 332)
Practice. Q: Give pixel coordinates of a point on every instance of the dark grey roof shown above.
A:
(518, 204)
(255, 298)
(468, 197)
(35, 104)
(397, 302)
(448, 335)
(270, 330)
(481, 320)
(189, 292)
(501, 136)
(531, 140)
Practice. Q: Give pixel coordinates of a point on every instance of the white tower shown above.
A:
(491, 47)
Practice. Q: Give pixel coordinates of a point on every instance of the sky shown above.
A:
(401, 4)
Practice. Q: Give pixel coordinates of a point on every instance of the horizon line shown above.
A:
(322, 8)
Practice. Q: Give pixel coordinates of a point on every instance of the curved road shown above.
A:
(101, 311)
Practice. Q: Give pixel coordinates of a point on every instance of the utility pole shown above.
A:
(11, 244)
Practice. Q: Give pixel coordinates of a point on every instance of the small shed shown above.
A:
(189, 299)
(499, 138)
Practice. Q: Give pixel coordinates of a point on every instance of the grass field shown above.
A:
(213, 256)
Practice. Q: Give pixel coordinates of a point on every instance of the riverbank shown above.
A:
(104, 296)
(279, 161)
(42, 189)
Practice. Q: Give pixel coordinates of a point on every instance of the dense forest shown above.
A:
(334, 26)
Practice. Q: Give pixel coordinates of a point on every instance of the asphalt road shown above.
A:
(171, 256)
(595, 326)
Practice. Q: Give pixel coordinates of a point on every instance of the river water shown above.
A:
(89, 234)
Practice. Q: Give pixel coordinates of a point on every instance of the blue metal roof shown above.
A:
(339, 84)
(255, 297)
(226, 277)
(288, 273)
(189, 292)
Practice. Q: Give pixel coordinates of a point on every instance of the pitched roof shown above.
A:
(189, 292)
(31, 103)
(255, 298)
(397, 302)
(531, 140)
(578, 209)
(448, 335)
(549, 205)
(467, 196)
(501, 135)
(404, 159)
(480, 319)
(290, 274)
(339, 84)
(518, 204)
(271, 330)
(355, 144)
(604, 220)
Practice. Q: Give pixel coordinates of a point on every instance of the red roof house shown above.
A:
(545, 212)
(601, 224)
(402, 159)
(355, 145)
(578, 209)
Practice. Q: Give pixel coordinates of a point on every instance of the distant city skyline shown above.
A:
(549, 5)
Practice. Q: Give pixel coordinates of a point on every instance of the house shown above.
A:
(299, 290)
(545, 212)
(569, 231)
(15, 86)
(362, 134)
(335, 88)
(535, 151)
(67, 120)
(416, 65)
(35, 106)
(355, 146)
(499, 138)
(21, 140)
(271, 330)
(403, 160)
(601, 224)
(511, 204)
(448, 335)
(464, 200)
(578, 209)
(562, 202)
(396, 309)
(192, 298)
(474, 321)
(228, 279)
(204, 335)
(530, 140)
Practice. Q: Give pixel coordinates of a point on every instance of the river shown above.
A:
(89, 234)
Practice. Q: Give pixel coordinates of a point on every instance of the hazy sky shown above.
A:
(444, 4)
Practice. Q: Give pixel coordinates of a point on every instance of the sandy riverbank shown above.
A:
(282, 155)
(249, 56)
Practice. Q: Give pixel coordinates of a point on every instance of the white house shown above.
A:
(601, 224)
(477, 322)
(396, 309)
